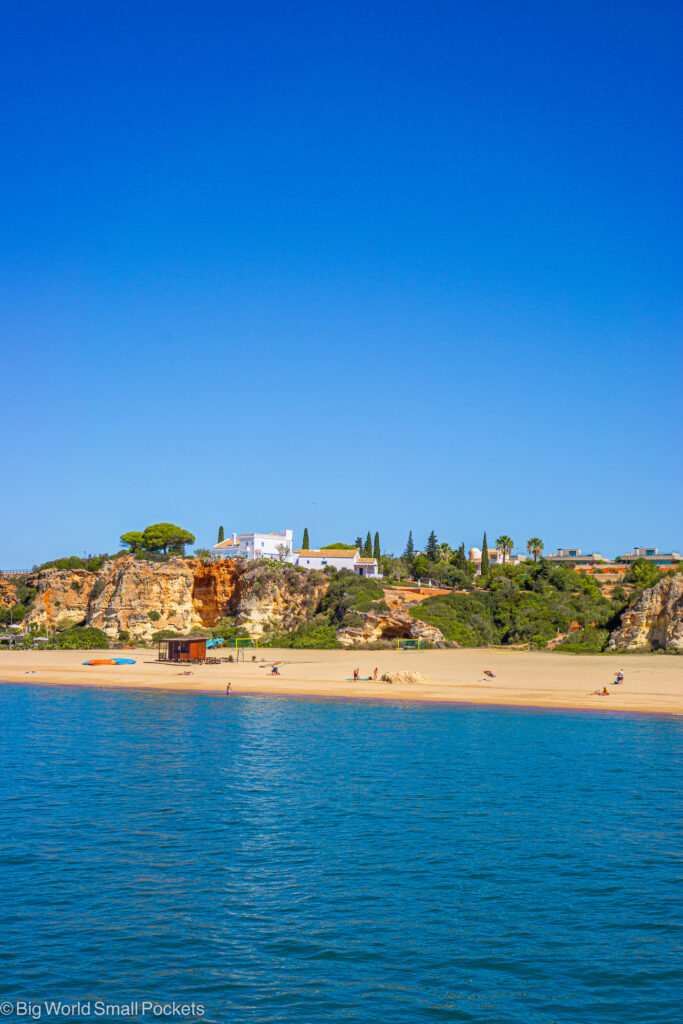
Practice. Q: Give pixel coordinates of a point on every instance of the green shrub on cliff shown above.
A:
(82, 638)
(350, 592)
(642, 573)
(585, 641)
(15, 614)
(92, 563)
(317, 633)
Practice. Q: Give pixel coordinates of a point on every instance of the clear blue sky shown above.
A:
(347, 266)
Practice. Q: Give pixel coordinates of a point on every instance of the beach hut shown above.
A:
(191, 648)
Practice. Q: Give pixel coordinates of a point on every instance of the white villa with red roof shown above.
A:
(339, 558)
(278, 547)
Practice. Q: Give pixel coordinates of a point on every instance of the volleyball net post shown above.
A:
(410, 645)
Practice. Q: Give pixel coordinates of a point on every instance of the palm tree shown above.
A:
(505, 544)
(444, 551)
(534, 546)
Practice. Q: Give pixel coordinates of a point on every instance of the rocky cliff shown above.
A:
(8, 591)
(127, 591)
(277, 598)
(132, 599)
(62, 596)
(217, 589)
(138, 597)
(394, 624)
(655, 620)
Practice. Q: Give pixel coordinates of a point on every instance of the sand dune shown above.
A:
(653, 682)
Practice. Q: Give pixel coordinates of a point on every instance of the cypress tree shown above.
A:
(484, 556)
(359, 544)
(367, 547)
(376, 552)
(221, 534)
(305, 545)
(432, 547)
(409, 552)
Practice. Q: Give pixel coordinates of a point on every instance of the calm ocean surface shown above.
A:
(290, 860)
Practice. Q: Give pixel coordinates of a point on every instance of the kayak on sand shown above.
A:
(110, 661)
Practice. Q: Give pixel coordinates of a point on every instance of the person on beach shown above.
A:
(374, 674)
(356, 673)
(228, 689)
(620, 678)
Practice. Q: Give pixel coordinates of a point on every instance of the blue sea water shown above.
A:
(302, 860)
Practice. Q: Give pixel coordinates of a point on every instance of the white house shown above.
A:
(576, 557)
(277, 546)
(495, 557)
(338, 558)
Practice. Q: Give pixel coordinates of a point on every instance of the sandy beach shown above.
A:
(653, 683)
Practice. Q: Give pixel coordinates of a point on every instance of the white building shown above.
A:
(276, 546)
(338, 558)
(495, 557)
(576, 557)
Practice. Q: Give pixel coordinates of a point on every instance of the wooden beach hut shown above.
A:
(191, 648)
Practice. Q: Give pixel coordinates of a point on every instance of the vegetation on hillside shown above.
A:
(347, 595)
(91, 563)
(532, 602)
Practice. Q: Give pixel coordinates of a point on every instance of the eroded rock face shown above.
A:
(276, 598)
(388, 626)
(217, 588)
(127, 590)
(62, 597)
(8, 592)
(656, 619)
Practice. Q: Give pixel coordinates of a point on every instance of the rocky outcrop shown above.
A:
(391, 625)
(276, 598)
(654, 621)
(403, 677)
(62, 597)
(8, 591)
(128, 590)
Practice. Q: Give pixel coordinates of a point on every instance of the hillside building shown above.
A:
(665, 560)
(495, 558)
(279, 547)
(576, 558)
(338, 558)
(252, 546)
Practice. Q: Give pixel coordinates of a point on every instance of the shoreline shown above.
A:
(413, 698)
(653, 683)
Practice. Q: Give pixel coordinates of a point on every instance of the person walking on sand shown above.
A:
(374, 674)
(356, 672)
(228, 689)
